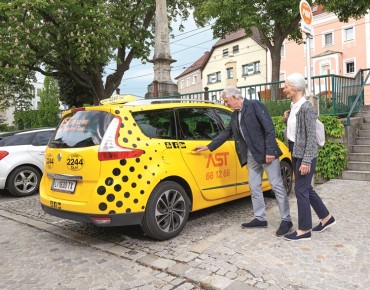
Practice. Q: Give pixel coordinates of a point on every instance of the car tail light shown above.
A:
(3, 154)
(110, 150)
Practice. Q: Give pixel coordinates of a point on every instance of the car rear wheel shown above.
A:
(24, 181)
(167, 211)
(287, 175)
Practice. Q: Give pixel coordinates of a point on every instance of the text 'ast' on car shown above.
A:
(22, 161)
(132, 163)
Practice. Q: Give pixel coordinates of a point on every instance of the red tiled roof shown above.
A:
(238, 35)
(317, 9)
(198, 64)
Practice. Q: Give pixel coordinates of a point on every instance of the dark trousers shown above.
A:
(306, 195)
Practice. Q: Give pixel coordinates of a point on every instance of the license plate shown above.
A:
(64, 185)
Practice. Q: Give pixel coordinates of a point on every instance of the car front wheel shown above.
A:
(24, 181)
(167, 211)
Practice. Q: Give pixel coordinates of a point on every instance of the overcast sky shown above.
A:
(186, 47)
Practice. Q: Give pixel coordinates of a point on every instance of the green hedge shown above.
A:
(332, 159)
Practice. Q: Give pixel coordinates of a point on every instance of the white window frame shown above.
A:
(182, 84)
(324, 39)
(187, 81)
(194, 79)
(347, 61)
(325, 64)
(344, 34)
(251, 68)
(282, 50)
(230, 73)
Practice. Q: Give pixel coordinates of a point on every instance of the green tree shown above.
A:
(78, 39)
(275, 21)
(49, 104)
(346, 9)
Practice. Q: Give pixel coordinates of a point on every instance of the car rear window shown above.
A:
(81, 129)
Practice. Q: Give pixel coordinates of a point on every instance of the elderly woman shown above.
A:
(301, 133)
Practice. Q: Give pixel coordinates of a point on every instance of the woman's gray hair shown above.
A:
(297, 81)
(231, 91)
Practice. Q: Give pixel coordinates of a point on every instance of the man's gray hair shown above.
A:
(228, 92)
(297, 81)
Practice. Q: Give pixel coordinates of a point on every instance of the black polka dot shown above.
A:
(109, 181)
(116, 171)
(111, 197)
(143, 207)
(112, 212)
(132, 169)
(142, 191)
(136, 200)
(122, 125)
(145, 167)
(129, 132)
(101, 190)
(148, 182)
(125, 178)
(138, 139)
(126, 118)
(139, 176)
(127, 194)
(117, 112)
(123, 162)
(125, 140)
(128, 210)
(134, 145)
(133, 185)
(150, 158)
(137, 160)
(103, 206)
(117, 188)
(119, 203)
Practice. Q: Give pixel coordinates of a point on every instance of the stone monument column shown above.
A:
(162, 84)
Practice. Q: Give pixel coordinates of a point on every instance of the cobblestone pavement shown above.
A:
(39, 251)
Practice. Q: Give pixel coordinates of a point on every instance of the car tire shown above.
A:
(23, 181)
(167, 211)
(287, 175)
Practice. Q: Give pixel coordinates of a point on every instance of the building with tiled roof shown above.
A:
(234, 60)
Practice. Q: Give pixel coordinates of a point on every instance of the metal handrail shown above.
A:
(360, 93)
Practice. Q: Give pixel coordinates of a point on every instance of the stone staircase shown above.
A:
(359, 157)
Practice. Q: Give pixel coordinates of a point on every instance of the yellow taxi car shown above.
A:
(132, 163)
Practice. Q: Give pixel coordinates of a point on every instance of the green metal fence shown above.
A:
(334, 95)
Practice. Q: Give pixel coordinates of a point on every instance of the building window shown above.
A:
(282, 76)
(251, 68)
(282, 50)
(328, 39)
(348, 34)
(225, 52)
(229, 73)
(182, 84)
(194, 79)
(214, 78)
(350, 67)
(187, 82)
(235, 48)
(325, 69)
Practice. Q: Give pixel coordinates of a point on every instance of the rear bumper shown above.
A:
(126, 219)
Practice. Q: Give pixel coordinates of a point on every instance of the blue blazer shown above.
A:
(258, 130)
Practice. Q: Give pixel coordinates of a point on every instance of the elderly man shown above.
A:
(254, 135)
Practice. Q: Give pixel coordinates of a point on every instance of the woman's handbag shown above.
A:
(320, 133)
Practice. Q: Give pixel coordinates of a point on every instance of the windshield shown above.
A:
(83, 129)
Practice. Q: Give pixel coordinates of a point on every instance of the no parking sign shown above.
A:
(306, 17)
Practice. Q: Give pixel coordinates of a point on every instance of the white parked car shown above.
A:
(22, 161)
